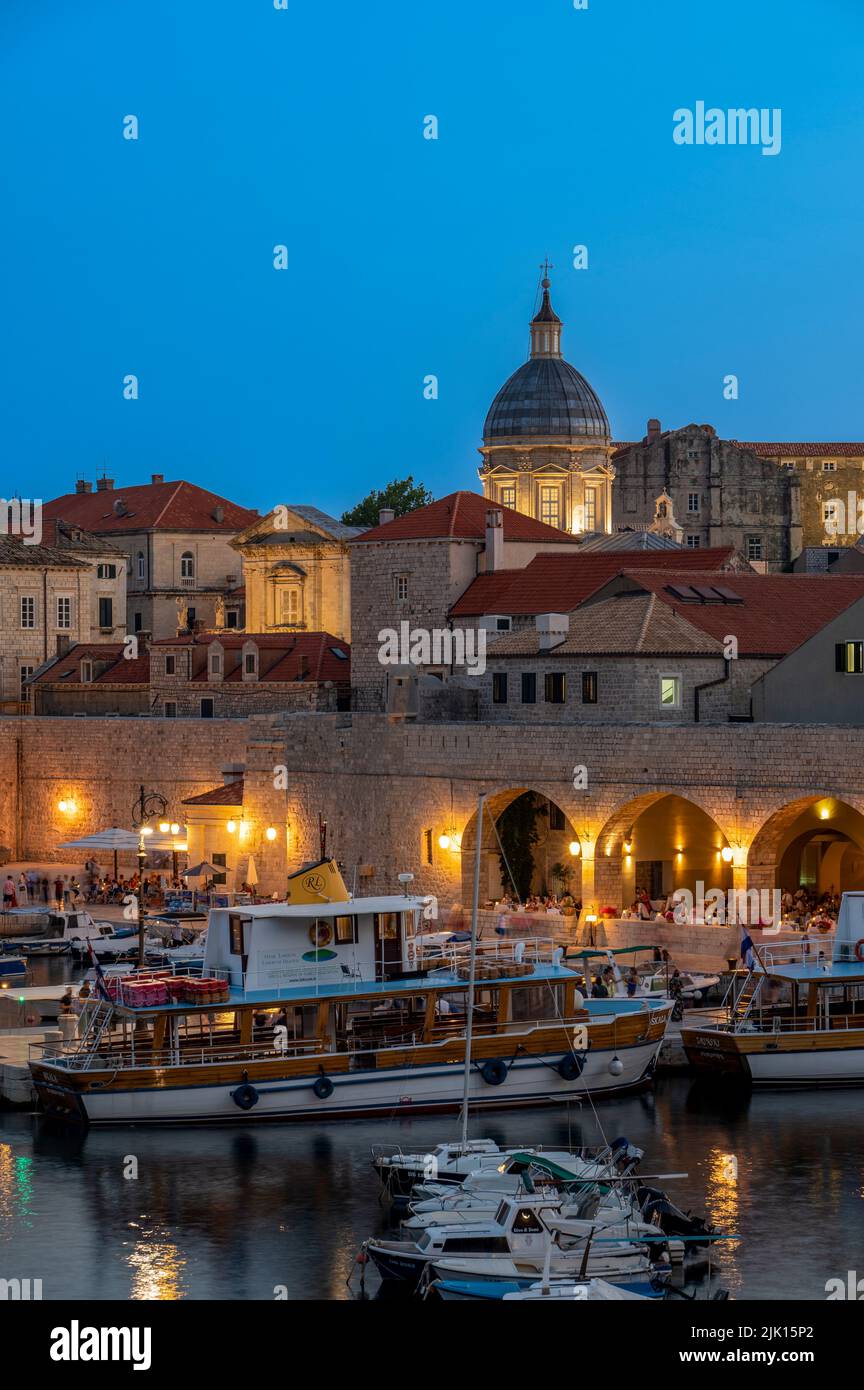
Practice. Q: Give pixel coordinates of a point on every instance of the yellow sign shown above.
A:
(317, 883)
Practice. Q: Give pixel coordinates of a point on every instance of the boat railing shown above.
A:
(76, 1057)
(453, 957)
(805, 952)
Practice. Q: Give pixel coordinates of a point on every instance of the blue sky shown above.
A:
(408, 256)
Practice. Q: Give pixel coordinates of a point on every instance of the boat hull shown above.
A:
(159, 1097)
(785, 1060)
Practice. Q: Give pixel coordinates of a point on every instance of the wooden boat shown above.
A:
(308, 1010)
(798, 1020)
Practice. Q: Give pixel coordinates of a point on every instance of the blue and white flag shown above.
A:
(746, 948)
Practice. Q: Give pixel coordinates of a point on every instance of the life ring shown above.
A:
(859, 949)
(494, 1071)
(245, 1096)
(323, 1087)
(320, 933)
(570, 1067)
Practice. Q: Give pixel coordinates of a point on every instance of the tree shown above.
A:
(517, 833)
(401, 496)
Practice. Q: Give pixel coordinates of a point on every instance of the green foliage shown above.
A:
(402, 495)
(517, 830)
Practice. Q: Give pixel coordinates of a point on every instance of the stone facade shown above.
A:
(296, 569)
(388, 791)
(723, 493)
(628, 689)
(52, 596)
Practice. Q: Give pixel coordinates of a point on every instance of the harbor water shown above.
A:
(257, 1211)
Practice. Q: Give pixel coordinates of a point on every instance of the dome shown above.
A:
(546, 396)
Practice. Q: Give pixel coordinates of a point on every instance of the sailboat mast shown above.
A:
(469, 1024)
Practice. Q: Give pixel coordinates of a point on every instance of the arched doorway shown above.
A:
(538, 840)
(661, 842)
(815, 843)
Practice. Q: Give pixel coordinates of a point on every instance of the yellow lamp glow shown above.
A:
(726, 854)
(62, 805)
(824, 813)
(270, 832)
(164, 827)
(444, 841)
(628, 847)
(175, 829)
(574, 848)
(231, 827)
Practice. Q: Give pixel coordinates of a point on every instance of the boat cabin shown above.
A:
(280, 945)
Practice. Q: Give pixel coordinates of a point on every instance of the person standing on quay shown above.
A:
(8, 893)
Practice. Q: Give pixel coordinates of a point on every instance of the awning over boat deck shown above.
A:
(384, 989)
(827, 973)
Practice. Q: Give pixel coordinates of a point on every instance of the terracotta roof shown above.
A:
(778, 611)
(796, 449)
(231, 794)
(626, 625)
(150, 506)
(462, 516)
(66, 669)
(768, 449)
(289, 656)
(558, 583)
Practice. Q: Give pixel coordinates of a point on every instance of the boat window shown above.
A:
(501, 1213)
(495, 1245)
(539, 1001)
(387, 925)
(346, 929)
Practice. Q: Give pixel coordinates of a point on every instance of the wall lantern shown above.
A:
(231, 827)
(575, 848)
(164, 827)
(68, 806)
(726, 854)
(270, 832)
(175, 829)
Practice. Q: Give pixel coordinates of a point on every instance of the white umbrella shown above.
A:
(114, 839)
(251, 873)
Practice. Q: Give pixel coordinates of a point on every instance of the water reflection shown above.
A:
(233, 1212)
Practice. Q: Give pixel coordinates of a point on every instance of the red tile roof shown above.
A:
(462, 516)
(66, 669)
(158, 506)
(231, 794)
(558, 583)
(796, 449)
(287, 656)
(772, 449)
(779, 611)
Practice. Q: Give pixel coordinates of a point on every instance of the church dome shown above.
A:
(546, 396)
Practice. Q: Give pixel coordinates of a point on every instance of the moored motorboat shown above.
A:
(798, 1017)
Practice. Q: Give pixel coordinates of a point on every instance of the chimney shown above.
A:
(104, 484)
(654, 432)
(81, 487)
(157, 477)
(386, 515)
(64, 644)
(552, 630)
(494, 540)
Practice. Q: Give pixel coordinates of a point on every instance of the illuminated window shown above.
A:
(849, 658)
(550, 506)
(670, 692)
(590, 509)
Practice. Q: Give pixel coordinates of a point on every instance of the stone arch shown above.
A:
(549, 850)
(682, 852)
(835, 825)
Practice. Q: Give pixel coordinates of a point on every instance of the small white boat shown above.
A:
(575, 1291)
(13, 968)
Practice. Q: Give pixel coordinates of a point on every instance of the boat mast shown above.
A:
(469, 1025)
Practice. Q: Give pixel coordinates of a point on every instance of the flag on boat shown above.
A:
(101, 986)
(747, 948)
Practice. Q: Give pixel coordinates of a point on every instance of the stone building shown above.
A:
(199, 676)
(546, 441)
(233, 675)
(176, 538)
(651, 646)
(296, 568)
(411, 571)
(71, 588)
